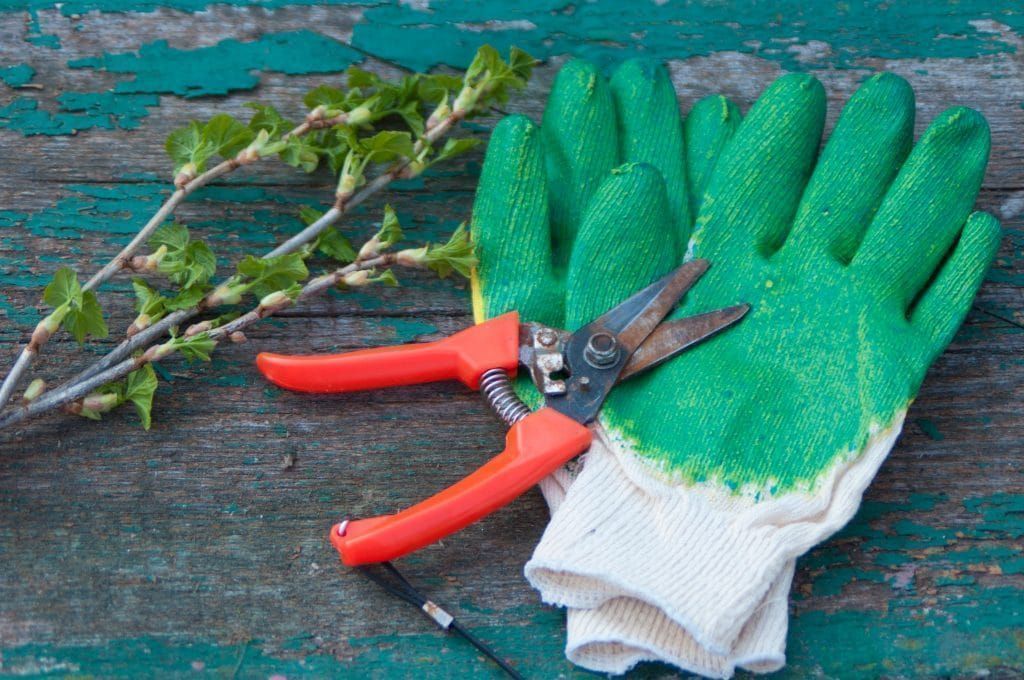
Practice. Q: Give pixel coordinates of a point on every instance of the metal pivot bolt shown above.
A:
(602, 350)
(547, 337)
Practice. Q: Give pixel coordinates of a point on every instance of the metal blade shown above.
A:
(673, 337)
(596, 354)
(635, 318)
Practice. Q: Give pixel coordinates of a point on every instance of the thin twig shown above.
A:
(345, 204)
(141, 339)
(121, 261)
(70, 393)
(158, 329)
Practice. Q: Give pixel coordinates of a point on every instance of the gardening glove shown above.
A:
(712, 473)
(556, 213)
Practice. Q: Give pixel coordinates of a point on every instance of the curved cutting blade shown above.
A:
(674, 337)
(597, 353)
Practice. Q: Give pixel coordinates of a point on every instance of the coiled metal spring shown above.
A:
(497, 390)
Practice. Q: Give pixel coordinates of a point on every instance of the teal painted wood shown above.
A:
(192, 551)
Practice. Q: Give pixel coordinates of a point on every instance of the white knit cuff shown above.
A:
(555, 486)
(624, 632)
(703, 556)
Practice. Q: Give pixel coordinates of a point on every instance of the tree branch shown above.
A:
(123, 259)
(434, 132)
(77, 390)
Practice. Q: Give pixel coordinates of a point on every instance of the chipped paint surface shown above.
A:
(219, 69)
(796, 34)
(158, 69)
(914, 636)
(928, 585)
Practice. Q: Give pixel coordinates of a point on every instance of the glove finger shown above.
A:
(756, 187)
(869, 144)
(944, 304)
(710, 124)
(925, 207)
(651, 131)
(580, 144)
(510, 228)
(626, 240)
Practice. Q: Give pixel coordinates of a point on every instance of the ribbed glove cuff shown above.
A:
(624, 632)
(705, 558)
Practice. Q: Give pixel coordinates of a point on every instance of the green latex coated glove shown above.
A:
(611, 153)
(716, 470)
(563, 232)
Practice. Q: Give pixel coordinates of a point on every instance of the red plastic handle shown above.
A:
(464, 356)
(534, 448)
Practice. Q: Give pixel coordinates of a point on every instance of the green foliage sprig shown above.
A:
(374, 127)
(76, 310)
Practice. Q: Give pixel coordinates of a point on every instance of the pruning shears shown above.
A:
(574, 371)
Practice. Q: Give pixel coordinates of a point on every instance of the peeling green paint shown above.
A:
(1002, 513)
(409, 330)
(897, 546)
(35, 35)
(403, 655)
(930, 428)
(115, 211)
(224, 67)
(797, 35)
(962, 636)
(74, 7)
(18, 75)
(77, 111)
(159, 69)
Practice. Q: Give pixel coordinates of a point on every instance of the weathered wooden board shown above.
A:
(192, 550)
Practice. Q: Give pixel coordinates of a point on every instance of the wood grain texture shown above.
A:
(192, 550)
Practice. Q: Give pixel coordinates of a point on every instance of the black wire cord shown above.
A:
(391, 581)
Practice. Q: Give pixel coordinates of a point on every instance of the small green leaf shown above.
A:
(298, 152)
(269, 274)
(309, 215)
(433, 88)
(227, 135)
(84, 316)
(455, 147)
(86, 319)
(272, 148)
(187, 262)
(175, 236)
(186, 298)
(139, 389)
(267, 118)
(387, 278)
(325, 95)
(202, 263)
(335, 246)
(455, 255)
(197, 347)
(492, 77)
(390, 231)
(410, 113)
(63, 289)
(188, 145)
(292, 291)
(521, 63)
(387, 145)
(360, 78)
(486, 59)
(147, 300)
